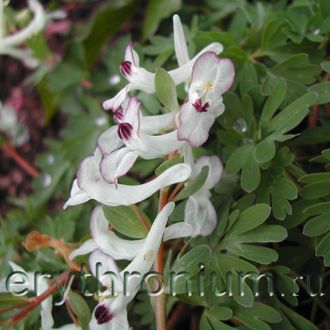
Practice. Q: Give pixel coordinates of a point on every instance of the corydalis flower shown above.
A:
(91, 185)
(199, 211)
(121, 145)
(143, 80)
(211, 78)
(111, 313)
(118, 248)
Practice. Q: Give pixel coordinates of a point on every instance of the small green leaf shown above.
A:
(274, 101)
(238, 158)
(251, 218)
(316, 190)
(165, 90)
(167, 164)
(265, 151)
(194, 185)
(322, 90)
(80, 309)
(318, 225)
(250, 178)
(125, 220)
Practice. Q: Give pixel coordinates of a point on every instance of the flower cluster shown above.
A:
(207, 77)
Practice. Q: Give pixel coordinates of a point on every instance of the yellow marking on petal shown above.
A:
(148, 255)
(208, 85)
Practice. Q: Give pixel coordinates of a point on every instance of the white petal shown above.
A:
(146, 256)
(180, 44)
(131, 55)
(105, 265)
(178, 230)
(201, 215)
(155, 146)
(115, 102)
(157, 124)
(117, 164)
(215, 170)
(86, 248)
(90, 180)
(109, 141)
(193, 126)
(108, 241)
(183, 73)
(209, 68)
(132, 115)
(77, 196)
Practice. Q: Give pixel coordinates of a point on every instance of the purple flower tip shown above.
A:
(102, 314)
(125, 130)
(125, 68)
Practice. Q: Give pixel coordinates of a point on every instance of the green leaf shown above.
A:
(265, 151)
(324, 8)
(125, 220)
(193, 186)
(326, 66)
(238, 158)
(167, 164)
(166, 90)
(274, 101)
(258, 254)
(322, 90)
(316, 190)
(80, 309)
(317, 225)
(250, 177)
(190, 261)
(251, 218)
(264, 234)
(292, 115)
(315, 177)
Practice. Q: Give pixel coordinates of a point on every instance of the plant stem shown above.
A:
(160, 300)
(12, 153)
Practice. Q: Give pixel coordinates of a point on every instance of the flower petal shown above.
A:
(155, 146)
(117, 164)
(109, 141)
(201, 215)
(108, 241)
(86, 248)
(146, 256)
(157, 123)
(132, 115)
(77, 196)
(101, 266)
(180, 44)
(178, 230)
(115, 102)
(194, 126)
(215, 170)
(214, 71)
(90, 180)
(131, 55)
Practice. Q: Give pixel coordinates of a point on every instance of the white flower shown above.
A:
(199, 211)
(28, 279)
(121, 145)
(118, 248)
(143, 80)
(111, 314)
(211, 78)
(91, 185)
